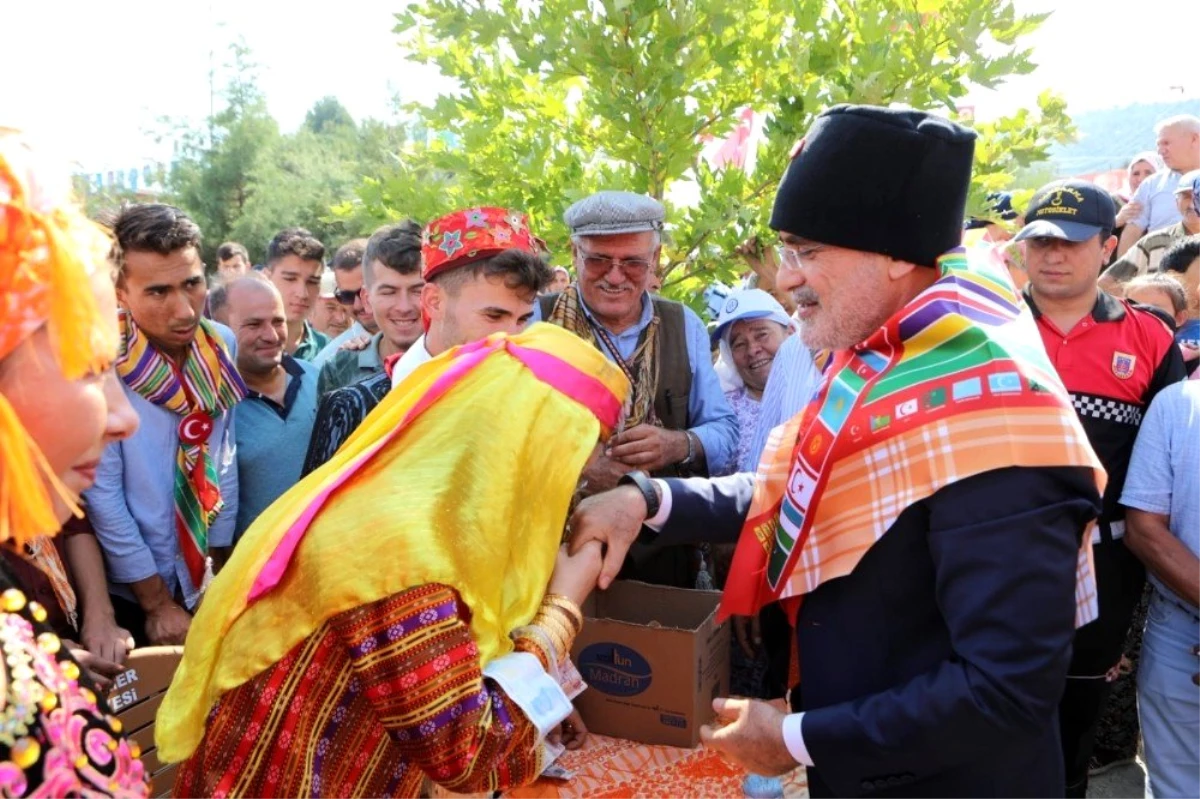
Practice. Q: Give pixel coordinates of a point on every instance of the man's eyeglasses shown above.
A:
(795, 258)
(600, 265)
(346, 296)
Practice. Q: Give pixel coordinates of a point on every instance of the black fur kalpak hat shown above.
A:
(880, 180)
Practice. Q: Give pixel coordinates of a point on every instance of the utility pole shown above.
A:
(211, 76)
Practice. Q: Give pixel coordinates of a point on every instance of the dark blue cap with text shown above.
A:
(1074, 210)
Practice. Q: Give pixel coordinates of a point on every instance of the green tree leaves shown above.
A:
(560, 98)
(241, 179)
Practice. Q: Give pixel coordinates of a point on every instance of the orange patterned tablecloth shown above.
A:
(612, 768)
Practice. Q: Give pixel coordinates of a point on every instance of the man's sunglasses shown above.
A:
(345, 296)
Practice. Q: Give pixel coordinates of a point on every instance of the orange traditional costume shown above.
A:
(56, 737)
(387, 618)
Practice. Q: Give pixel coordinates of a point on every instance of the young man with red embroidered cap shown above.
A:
(496, 293)
(1113, 357)
(924, 518)
(483, 272)
(169, 493)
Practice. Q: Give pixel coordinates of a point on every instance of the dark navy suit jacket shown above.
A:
(935, 668)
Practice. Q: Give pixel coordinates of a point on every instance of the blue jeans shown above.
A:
(1168, 700)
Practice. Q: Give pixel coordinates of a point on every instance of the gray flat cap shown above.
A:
(608, 213)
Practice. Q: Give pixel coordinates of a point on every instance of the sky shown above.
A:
(95, 77)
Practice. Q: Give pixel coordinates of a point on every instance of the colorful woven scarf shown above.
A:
(641, 370)
(955, 384)
(205, 386)
(441, 494)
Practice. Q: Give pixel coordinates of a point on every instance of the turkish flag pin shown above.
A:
(195, 428)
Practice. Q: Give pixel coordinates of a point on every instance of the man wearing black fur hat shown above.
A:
(928, 508)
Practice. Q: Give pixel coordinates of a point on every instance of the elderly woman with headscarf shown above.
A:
(750, 329)
(60, 404)
(405, 611)
(1141, 167)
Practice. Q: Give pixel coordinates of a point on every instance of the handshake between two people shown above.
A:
(604, 526)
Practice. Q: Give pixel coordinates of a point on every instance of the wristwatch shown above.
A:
(691, 453)
(642, 481)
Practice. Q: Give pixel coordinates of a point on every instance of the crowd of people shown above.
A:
(969, 445)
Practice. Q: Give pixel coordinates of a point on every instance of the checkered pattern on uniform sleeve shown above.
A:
(1109, 410)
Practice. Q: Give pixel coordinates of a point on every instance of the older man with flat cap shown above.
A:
(680, 422)
(923, 520)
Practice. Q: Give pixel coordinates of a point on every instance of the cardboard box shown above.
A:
(653, 658)
(136, 694)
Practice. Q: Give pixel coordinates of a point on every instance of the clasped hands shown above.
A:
(747, 731)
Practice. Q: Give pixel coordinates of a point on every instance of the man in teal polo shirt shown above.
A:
(275, 420)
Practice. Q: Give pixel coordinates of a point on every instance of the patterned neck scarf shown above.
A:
(204, 387)
(922, 403)
(641, 370)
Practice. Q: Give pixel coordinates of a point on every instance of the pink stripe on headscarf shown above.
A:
(551, 370)
(467, 358)
(567, 380)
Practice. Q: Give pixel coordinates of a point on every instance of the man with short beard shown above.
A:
(275, 419)
(167, 496)
(929, 506)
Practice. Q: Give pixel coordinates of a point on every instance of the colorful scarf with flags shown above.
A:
(205, 386)
(955, 384)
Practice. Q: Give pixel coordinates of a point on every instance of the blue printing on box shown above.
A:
(614, 669)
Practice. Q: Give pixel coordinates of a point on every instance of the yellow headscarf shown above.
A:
(48, 254)
(461, 476)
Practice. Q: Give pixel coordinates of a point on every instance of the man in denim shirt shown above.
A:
(165, 496)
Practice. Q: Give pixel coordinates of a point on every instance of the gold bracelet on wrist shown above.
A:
(567, 606)
(538, 640)
(558, 633)
(572, 624)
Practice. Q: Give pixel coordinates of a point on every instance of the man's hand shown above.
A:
(356, 344)
(101, 670)
(613, 518)
(575, 572)
(572, 733)
(750, 733)
(602, 474)
(167, 625)
(648, 447)
(104, 639)
(1129, 210)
